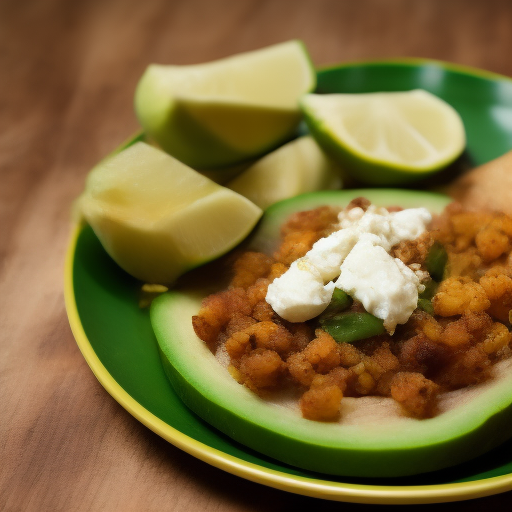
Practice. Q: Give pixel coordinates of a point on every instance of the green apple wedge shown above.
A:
(295, 168)
(158, 218)
(224, 112)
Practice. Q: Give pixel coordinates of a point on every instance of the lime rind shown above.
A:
(233, 109)
(327, 117)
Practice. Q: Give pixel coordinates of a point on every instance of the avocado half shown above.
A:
(373, 437)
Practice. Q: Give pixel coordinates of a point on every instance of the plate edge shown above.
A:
(419, 61)
(354, 493)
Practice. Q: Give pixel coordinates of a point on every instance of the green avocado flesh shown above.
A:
(373, 438)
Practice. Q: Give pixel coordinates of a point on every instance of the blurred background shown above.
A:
(68, 70)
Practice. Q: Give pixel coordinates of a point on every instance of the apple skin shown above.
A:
(382, 447)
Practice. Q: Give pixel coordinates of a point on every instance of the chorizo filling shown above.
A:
(459, 330)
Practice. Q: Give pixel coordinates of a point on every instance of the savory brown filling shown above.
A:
(450, 343)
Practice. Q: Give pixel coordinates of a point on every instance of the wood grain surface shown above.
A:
(67, 75)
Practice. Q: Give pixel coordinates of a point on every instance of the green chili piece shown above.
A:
(436, 261)
(426, 305)
(340, 301)
(430, 290)
(349, 327)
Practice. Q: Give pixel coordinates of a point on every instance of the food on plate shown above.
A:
(434, 393)
(295, 168)
(158, 218)
(223, 112)
(358, 274)
(369, 341)
(386, 138)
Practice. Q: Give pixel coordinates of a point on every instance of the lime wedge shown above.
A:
(223, 112)
(157, 218)
(386, 138)
(295, 168)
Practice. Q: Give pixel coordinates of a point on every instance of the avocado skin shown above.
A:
(403, 455)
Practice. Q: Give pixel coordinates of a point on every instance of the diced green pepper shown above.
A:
(430, 290)
(436, 261)
(426, 305)
(352, 326)
(340, 301)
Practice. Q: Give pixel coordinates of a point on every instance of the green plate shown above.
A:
(116, 339)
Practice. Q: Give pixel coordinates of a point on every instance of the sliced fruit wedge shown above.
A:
(373, 439)
(297, 167)
(386, 138)
(223, 112)
(157, 218)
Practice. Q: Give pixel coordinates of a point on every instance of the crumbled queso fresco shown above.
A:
(356, 258)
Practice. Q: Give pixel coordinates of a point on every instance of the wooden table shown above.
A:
(67, 76)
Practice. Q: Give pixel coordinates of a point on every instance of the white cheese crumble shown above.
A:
(357, 257)
(300, 293)
(385, 286)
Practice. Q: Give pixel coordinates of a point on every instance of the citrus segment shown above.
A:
(157, 218)
(385, 138)
(297, 167)
(223, 112)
